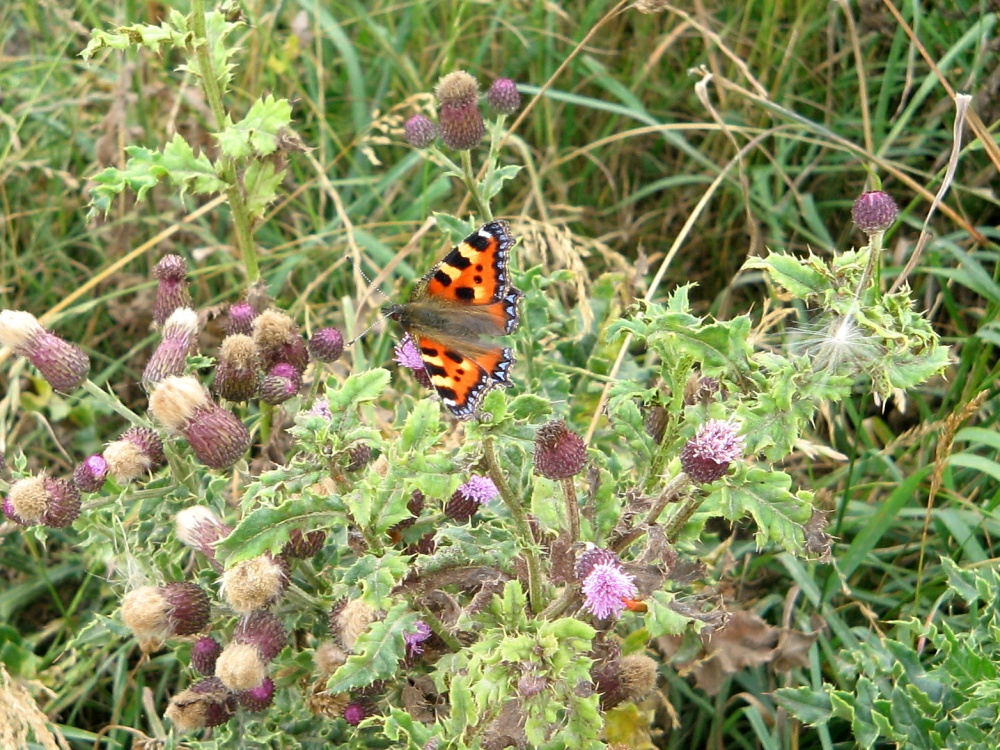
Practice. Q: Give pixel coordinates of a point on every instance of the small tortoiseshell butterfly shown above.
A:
(465, 298)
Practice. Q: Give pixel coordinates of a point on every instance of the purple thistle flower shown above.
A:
(321, 408)
(63, 365)
(241, 316)
(204, 653)
(408, 356)
(281, 383)
(874, 212)
(606, 589)
(415, 638)
(706, 456)
(480, 489)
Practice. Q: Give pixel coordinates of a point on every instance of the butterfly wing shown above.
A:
(462, 378)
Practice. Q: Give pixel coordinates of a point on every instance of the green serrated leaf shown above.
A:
(258, 132)
(804, 278)
(377, 651)
(765, 495)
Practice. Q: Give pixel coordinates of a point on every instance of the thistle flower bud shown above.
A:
(467, 499)
(237, 373)
(874, 212)
(89, 475)
(204, 654)
(503, 96)
(259, 698)
(326, 345)
(559, 452)
(42, 500)
(302, 546)
(420, 132)
(199, 528)
(257, 640)
(180, 334)
(656, 422)
(154, 614)
(278, 340)
(706, 456)
(358, 457)
(63, 365)
(459, 118)
(408, 356)
(531, 685)
(216, 436)
(207, 703)
(281, 383)
(255, 583)
(241, 317)
(172, 291)
(138, 452)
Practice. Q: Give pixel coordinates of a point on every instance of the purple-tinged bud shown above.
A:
(137, 453)
(237, 373)
(467, 499)
(42, 500)
(199, 528)
(559, 452)
(154, 614)
(637, 674)
(302, 546)
(707, 456)
(63, 365)
(408, 356)
(503, 96)
(459, 117)
(420, 132)
(180, 335)
(241, 317)
(874, 212)
(255, 583)
(259, 698)
(281, 383)
(415, 638)
(326, 345)
(592, 557)
(172, 291)
(321, 408)
(207, 703)
(656, 422)
(357, 711)
(183, 405)
(257, 640)
(531, 685)
(204, 654)
(278, 340)
(358, 457)
(90, 473)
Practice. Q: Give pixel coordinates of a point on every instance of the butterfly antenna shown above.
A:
(377, 321)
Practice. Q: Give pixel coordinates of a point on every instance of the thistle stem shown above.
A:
(469, 178)
(572, 508)
(520, 517)
(682, 516)
(670, 492)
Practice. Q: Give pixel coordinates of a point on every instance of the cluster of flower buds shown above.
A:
(460, 119)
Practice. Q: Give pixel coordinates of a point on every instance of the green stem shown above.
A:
(670, 492)
(875, 252)
(572, 509)
(679, 519)
(469, 178)
(226, 167)
(520, 517)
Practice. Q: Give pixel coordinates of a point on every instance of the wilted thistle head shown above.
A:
(874, 212)
(137, 453)
(707, 456)
(42, 500)
(503, 96)
(459, 117)
(303, 545)
(199, 528)
(255, 583)
(180, 334)
(172, 291)
(207, 703)
(216, 436)
(154, 614)
(63, 365)
(420, 132)
(257, 639)
(347, 623)
(237, 373)
(278, 340)
(839, 346)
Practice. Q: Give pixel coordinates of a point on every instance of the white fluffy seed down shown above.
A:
(240, 667)
(253, 584)
(176, 399)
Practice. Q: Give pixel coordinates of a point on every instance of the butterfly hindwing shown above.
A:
(462, 380)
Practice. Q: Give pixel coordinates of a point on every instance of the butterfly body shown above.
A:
(454, 313)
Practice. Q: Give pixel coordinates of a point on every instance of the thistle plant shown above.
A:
(385, 582)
